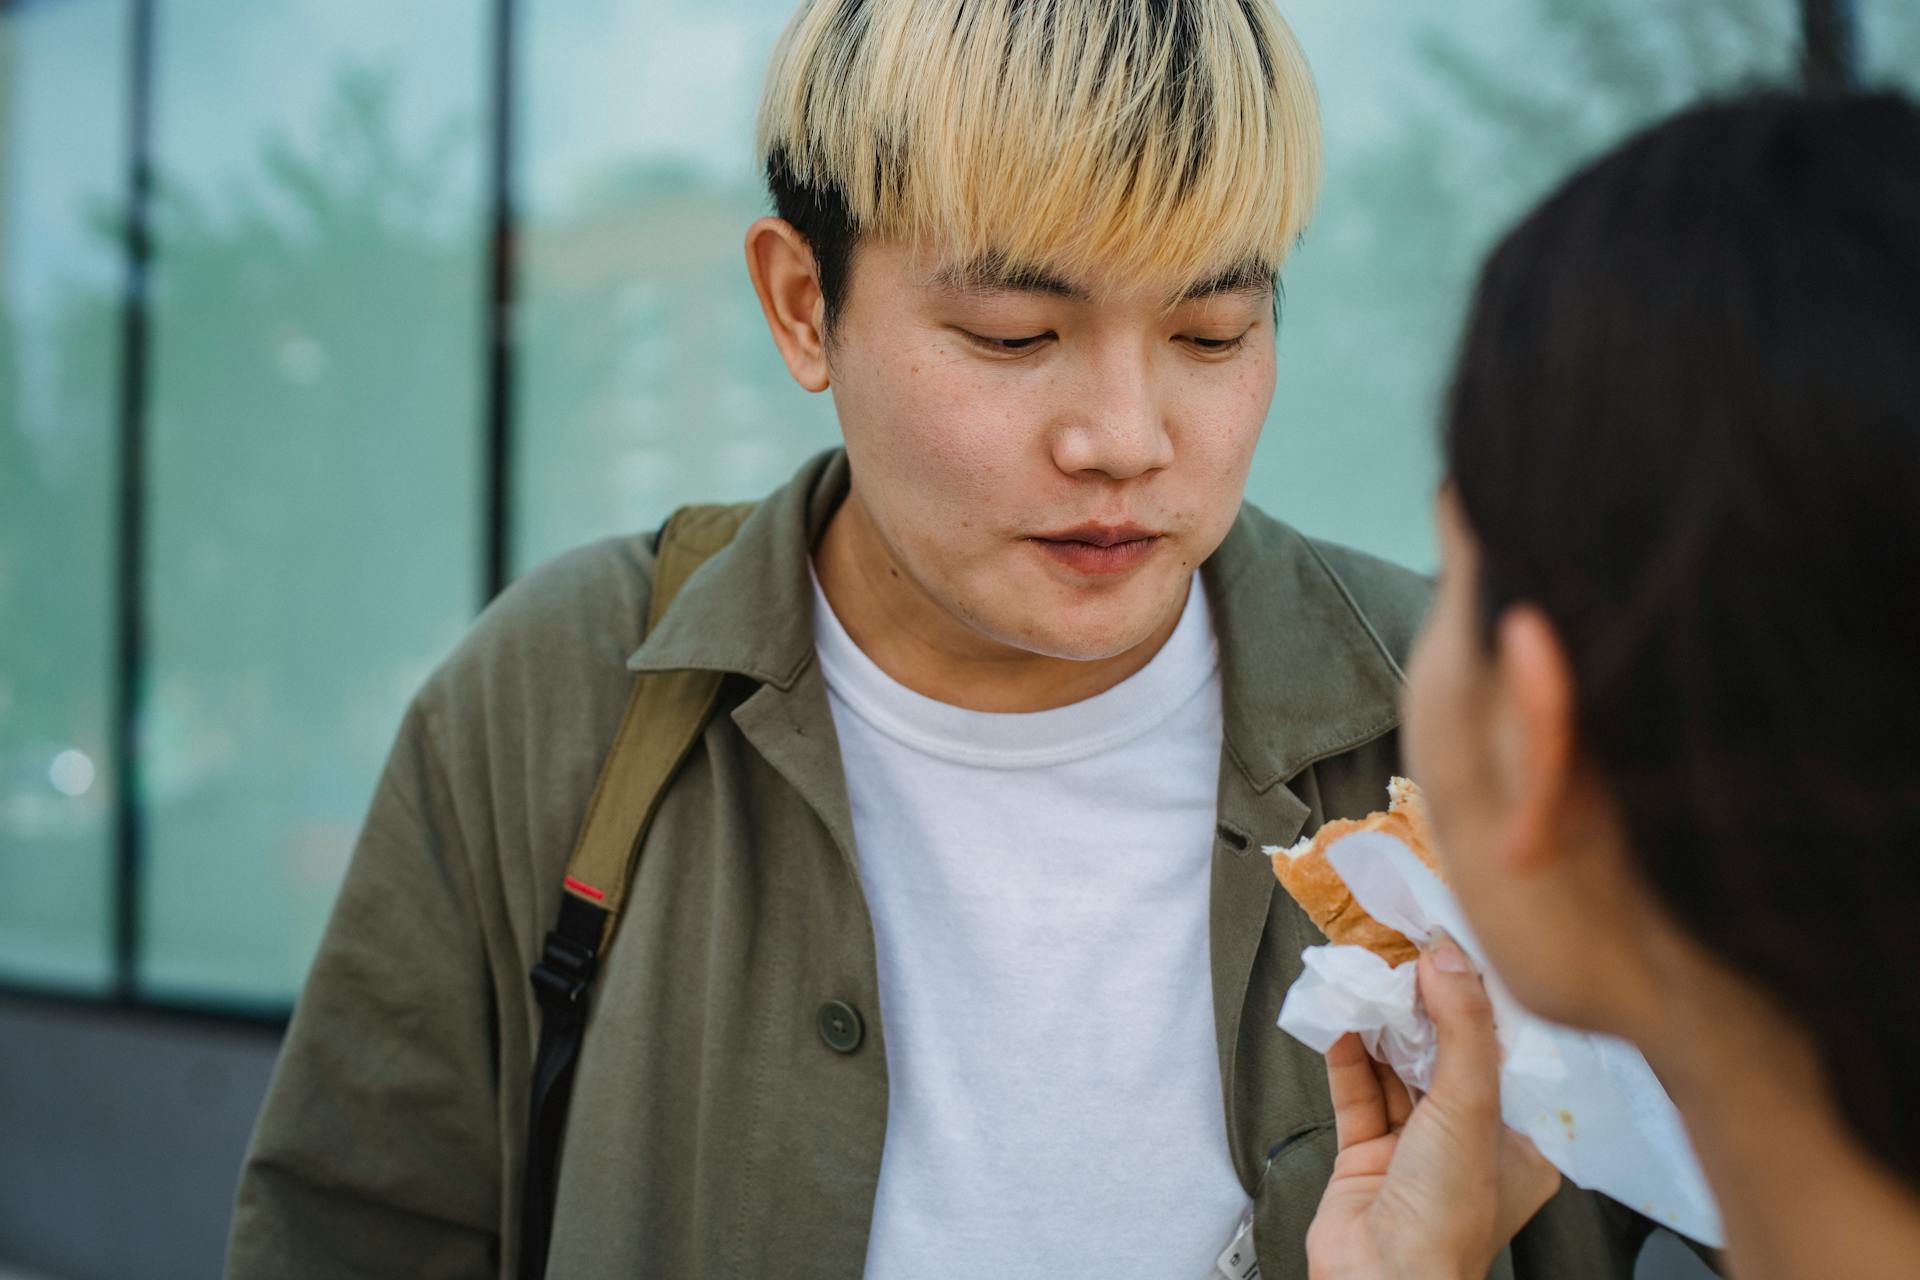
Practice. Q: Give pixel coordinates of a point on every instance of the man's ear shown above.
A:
(1534, 745)
(784, 275)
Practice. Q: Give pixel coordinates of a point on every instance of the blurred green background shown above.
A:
(311, 383)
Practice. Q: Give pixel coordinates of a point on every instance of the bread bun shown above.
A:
(1323, 895)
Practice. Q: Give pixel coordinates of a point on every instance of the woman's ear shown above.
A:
(1534, 746)
(781, 264)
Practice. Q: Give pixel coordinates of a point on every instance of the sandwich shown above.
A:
(1306, 874)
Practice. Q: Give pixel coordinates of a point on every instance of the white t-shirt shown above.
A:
(1038, 884)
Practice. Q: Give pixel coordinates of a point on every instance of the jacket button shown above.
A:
(840, 1026)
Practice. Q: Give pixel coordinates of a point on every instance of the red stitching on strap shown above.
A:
(598, 895)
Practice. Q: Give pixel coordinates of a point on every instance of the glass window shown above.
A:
(645, 374)
(63, 108)
(315, 442)
(1443, 124)
(1889, 34)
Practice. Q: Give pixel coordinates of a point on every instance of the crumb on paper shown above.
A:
(1566, 1119)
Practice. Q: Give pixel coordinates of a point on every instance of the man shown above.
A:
(951, 950)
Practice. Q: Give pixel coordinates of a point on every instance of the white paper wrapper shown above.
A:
(1590, 1103)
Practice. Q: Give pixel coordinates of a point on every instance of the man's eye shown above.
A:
(1007, 344)
(1216, 346)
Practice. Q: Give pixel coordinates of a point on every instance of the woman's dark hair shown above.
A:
(1685, 423)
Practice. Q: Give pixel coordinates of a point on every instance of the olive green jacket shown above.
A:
(713, 1130)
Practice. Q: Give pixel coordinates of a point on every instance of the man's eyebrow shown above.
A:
(1250, 276)
(990, 275)
(993, 275)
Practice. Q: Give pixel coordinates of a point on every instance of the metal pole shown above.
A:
(498, 463)
(1830, 46)
(130, 670)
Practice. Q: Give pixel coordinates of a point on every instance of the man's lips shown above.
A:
(1099, 559)
(1099, 535)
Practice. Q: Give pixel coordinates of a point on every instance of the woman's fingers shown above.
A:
(1432, 1185)
(1466, 1084)
(1359, 1104)
(1369, 1100)
(1467, 1073)
(1398, 1101)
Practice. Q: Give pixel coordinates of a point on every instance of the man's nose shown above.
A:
(1115, 423)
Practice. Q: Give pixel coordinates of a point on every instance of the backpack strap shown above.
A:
(666, 713)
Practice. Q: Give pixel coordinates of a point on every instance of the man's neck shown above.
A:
(1800, 1197)
(921, 645)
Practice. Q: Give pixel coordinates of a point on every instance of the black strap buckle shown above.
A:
(561, 977)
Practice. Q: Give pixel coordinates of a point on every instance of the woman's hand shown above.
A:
(1430, 1189)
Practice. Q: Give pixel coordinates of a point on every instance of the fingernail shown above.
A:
(1448, 957)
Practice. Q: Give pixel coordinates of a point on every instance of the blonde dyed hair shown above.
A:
(1103, 140)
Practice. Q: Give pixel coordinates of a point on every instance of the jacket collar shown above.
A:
(749, 608)
(1303, 676)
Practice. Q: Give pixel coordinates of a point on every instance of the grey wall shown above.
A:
(120, 1140)
(121, 1137)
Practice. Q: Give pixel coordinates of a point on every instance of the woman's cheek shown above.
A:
(1439, 725)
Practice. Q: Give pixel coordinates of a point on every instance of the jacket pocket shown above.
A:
(1294, 1178)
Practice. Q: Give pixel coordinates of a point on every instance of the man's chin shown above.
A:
(1098, 640)
(1109, 624)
